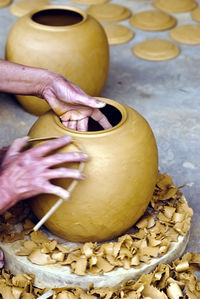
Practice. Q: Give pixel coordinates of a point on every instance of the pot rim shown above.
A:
(52, 7)
(113, 103)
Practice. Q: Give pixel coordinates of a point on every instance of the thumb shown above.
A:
(89, 101)
(14, 149)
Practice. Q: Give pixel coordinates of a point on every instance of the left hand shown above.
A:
(73, 105)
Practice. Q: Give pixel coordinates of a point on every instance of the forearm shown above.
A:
(19, 79)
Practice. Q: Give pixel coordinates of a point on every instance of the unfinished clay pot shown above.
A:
(120, 176)
(64, 40)
(4, 3)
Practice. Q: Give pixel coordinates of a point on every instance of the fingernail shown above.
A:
(100, 104)
(26, 138)
(66, 196)
(82, 176)
(67, 138)
(84, 155)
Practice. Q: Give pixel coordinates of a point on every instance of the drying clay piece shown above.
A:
(23, 7)
(118, 34)
(152, 20)
(176, 6)
(109, 12)
(156, 49)
(195, 14)
(90, 2)
(4, 3)
(186, 34)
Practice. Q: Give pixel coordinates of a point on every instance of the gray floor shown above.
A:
(167, 94)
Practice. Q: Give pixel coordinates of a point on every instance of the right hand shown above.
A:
(72, 104)
(28, 173)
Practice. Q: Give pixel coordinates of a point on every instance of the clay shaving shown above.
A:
(165, 282)
(168, 217)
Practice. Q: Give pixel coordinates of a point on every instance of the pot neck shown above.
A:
(60, 8)
(122, 109)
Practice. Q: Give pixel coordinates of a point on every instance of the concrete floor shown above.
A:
(167, 94)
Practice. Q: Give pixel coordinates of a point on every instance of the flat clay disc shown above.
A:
(118, 34)
(23, 7)
(152, 20)
(195, 14)
(156, 50)
(109, 12)
(4, 3)
(188, 34)
(89, 2)
(176, 6)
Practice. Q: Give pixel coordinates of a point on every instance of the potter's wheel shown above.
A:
(56, 275)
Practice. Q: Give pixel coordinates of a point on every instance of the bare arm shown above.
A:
(72, 104)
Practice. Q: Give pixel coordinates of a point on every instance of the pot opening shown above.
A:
(113, 115)
(57, 17)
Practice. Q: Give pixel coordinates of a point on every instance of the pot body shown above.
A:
(79, 52)
(121, 174)
(4, 3)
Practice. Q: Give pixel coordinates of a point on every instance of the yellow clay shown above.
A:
(121, 174)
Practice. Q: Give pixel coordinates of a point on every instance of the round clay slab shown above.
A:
(156, 50)
(195, 14)
(109, 12)
(176, 6)
(188, 34)
(118, 34)
(89, 2)
(4, 3)
(23, 7)
(152, 20)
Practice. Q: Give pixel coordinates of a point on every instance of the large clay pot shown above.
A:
(120, 176)
(4, 3)
(62, 39)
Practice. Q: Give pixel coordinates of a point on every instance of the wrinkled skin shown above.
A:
(73, 105)
(26, 173)
(29, 172)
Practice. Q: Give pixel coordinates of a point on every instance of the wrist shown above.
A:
(49, 82)
(7, 196)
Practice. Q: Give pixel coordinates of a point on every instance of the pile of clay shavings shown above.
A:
(167, 218)
(165, 282)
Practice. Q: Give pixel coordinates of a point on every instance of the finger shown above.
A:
(58, 191)
(14, 149)
(64, 173)
(72, 124)
(101, 119)
(1, 264)
(49, 146)
(86, 100)
(76, 114)
(1, 255)
(64, 158)
(82, 125)
(78, 96)
(65, 123)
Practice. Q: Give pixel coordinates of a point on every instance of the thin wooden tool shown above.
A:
(46, 295)
(70, 188)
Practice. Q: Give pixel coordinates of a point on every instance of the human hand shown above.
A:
(72, 104)
(1, 259)
(28, 173)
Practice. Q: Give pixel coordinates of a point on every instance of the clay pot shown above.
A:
(62, 39)
(4, 3)
(120, 176)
